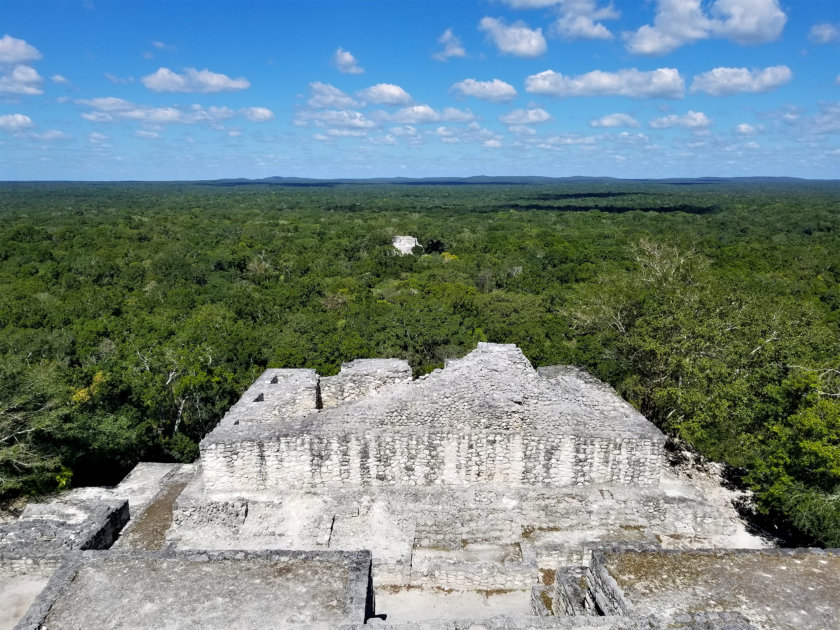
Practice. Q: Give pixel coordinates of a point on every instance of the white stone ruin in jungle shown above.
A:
(485, 495)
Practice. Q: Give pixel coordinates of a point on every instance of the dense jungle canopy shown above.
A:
(132, 315)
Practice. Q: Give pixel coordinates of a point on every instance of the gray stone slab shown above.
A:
(177, 590)
(777, 589)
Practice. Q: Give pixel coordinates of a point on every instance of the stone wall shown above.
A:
(275, 396)
(425, 458)
(362, 377)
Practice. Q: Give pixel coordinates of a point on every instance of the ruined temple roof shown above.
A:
(494, 388)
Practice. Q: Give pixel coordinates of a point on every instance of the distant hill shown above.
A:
(485, 180)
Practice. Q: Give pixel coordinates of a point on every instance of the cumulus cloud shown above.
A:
(748, 21)
(15, 122)
(514, 39)
(21, 80)
(722, 81)
(582, 19)
(496, 91)
(148, 135)
(346, 133)
(471, 133)
(385, 94)
(324, 96)
(452, 114)
(827, 120)
(745, 129)
(51, 135)
(345, 62)
(691, 120)
(13, 51)
(98, 138)
(614, 120)
(660, 83)
(118, 80)
(335, 118)
(525, 116)
(416, 115)
(257, 114)
(451, 46)
(112, 109)
(424, 114)
(680, 22)
(57, 78)
(824, 33)
(192, 80)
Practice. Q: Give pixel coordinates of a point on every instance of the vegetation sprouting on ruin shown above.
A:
(132, 315)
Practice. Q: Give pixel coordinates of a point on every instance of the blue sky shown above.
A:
(102, 90)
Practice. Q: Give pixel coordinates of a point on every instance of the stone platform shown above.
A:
(484, 419)
(484, 495)
(176, 590)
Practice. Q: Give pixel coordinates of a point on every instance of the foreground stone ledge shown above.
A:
(783, 589)
(228, 589)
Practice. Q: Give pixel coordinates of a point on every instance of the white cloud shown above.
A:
(522, 130)
(21, 80)
(424, 114)
(108, 103)
(346, 133)
(660, 83)
(525, 116)
(97, 138)
(558, 141)
(679, 22)
(98, 117)
(748, 21)
(385, 94)
(745, 129)
(404, 131)
(343, 119)
(721, 81)
(112, 109)
(148, 135)
(324, 96)
(581, 19)
(691, 120)
(827, 120)
(386, 139)
(257, 114)
(162, 46)
(824, 33)
(57, 78)
(118, 80)
(416, 115)
(496, 90)
(471, 133)
(452, 46)
(452, 114)
(13, 50)
(515, 39)
(614, 120)
(345, 62)
(15, 122)
(192, 80)
(51, 135)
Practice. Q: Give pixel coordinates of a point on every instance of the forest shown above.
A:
(132, 315)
